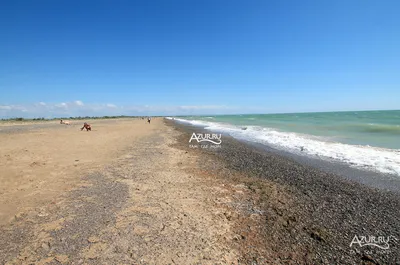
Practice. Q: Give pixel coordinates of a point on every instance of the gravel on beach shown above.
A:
(310, 216)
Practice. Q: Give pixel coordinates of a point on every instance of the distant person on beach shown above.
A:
(86, 126)
(65, 122)
(148, 120)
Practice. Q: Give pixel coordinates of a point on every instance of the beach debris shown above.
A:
(42, 213)
(63, 259)
(368, 258)
(46, 246)
(318, 234)
(34, 164)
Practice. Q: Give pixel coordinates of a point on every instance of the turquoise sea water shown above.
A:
(374, 128)
(370, 139)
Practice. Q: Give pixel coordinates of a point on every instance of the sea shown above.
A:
(367, 140)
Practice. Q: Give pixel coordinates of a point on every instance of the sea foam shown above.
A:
(360, 156)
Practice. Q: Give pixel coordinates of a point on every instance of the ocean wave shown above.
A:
(360, 156)
(373, 128)
(381, 128)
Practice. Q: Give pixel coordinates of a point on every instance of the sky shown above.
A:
(180, 57)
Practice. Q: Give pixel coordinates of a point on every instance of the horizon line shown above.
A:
(186, 115)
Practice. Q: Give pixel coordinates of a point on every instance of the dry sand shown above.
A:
(120, 194)
(39, 161)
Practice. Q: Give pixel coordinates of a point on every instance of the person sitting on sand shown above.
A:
(65, 122)
(86, 126)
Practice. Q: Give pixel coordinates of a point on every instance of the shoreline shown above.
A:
(325, 210)
(370, 157)
(373, 179)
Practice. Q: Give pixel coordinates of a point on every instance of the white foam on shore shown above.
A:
(359, 156)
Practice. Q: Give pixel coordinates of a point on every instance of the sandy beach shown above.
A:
(40, 160)
(120, 194)
(129, 192)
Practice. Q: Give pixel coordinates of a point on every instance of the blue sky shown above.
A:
(197, 57)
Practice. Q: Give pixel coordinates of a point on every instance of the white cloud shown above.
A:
(78, 108)
(203, 107)
(78, 103)
(4, 107)
(62, 105)
(7, 111)
(109, 105)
